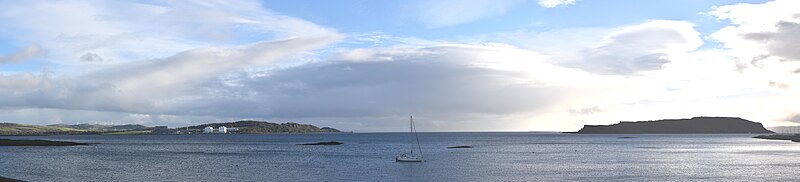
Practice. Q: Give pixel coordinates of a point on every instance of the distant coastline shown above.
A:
(793, 138)
(241, 127)
(696, 125)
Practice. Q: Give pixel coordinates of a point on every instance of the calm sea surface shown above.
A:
(370, 157)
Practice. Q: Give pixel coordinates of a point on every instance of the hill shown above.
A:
(21, 129)
(62, 129)
(102, 128)
(679, 126)
(246, 127)
(261, 127)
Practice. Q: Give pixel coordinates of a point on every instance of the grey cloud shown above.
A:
(91, 57)
(795, 117)
(783, 42)
(779, 85)
(20, 81)
(756, 61)
(425, 84)
(585, 111)
(26, 53)
(441, 83)
(650, 62)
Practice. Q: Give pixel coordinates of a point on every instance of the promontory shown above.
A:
(679, 126)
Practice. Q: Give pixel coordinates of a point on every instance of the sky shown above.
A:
(365, 66)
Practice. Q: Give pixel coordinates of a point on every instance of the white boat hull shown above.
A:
(407, 158)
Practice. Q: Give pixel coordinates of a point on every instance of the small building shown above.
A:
(221, 129)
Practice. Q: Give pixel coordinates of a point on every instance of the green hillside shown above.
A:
(103, 128)
(20, 129)
(261, 127)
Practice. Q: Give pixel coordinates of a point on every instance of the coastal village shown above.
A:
(165, 130)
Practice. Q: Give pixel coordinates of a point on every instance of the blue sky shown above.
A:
(400, 18)
(509, 65)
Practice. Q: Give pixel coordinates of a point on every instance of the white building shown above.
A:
(221, 129)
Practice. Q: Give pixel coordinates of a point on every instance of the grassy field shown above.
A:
(20, 129)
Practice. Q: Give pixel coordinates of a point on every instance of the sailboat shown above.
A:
(411, 156)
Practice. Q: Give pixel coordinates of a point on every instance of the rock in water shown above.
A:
(323, 143)
(460, 147)
(9, 179)
(9, 142)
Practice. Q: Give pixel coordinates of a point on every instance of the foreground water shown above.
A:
(370, 157)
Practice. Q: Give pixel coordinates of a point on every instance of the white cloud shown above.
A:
(555, 3)
(759, 30)
(121, 68)
(153, 87)
(763, 39)
(444, 13)
(116, 59)
(26, 53)
(121, 31)
(638, 48)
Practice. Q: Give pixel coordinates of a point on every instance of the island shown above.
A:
(237, 127)
(679, 126)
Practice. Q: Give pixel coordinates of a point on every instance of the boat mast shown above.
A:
(411, 127)
(415, 136)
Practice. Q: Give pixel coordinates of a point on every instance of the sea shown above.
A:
(504, 156)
